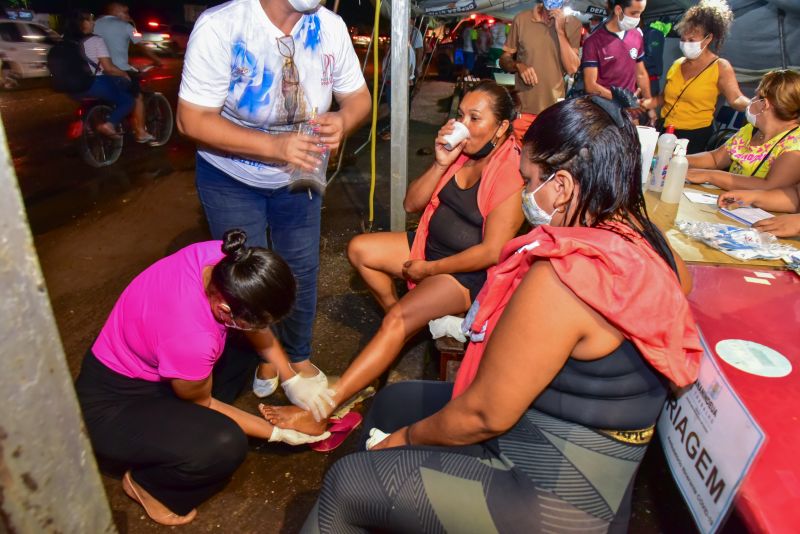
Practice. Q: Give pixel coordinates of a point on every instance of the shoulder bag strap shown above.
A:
(82, 44)
(766, 157)
(685, 87)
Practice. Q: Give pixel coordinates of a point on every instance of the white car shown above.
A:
(23, 48)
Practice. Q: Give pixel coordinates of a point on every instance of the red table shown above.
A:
(726, 306)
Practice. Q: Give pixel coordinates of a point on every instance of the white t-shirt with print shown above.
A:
(233, 61)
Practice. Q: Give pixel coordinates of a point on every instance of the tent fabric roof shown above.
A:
(753, 44)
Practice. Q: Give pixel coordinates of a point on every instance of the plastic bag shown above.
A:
(448, 325)
(740, 243)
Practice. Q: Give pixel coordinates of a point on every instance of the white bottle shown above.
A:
(676, 175)
(666, 146)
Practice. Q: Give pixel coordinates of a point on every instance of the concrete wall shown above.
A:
(48, 477)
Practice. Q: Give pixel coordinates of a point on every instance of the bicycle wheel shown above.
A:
(158, 118)
(96, 149)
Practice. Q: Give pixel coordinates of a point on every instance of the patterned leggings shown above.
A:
(544, 475)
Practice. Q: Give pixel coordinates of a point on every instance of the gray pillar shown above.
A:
(399, 144)
(48, 476)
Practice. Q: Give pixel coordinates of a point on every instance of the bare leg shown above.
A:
(137, 117)
(379, 259)
(432, 298)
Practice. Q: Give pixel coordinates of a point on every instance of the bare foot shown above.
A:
(293, 418)
(155, 509)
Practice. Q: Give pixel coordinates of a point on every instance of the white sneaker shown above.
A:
(264, 387)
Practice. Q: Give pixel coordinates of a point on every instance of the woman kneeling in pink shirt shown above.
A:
(145, 386)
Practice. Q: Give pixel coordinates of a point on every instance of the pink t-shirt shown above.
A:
(161, 326)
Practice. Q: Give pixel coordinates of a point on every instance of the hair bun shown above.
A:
(233, 243)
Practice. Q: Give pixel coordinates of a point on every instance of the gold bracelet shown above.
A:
(408, 434)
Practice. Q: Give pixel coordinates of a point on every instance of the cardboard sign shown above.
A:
(710, 441)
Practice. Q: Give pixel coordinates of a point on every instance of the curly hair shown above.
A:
(712, 17)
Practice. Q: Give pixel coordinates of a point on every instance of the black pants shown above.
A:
(403, 404)
(181, 453)
(698, 139)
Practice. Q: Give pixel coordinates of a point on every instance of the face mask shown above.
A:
(485, 149)
(535, 215)
(627, 23)
(304, 6)
(751, 117)
(692, 50)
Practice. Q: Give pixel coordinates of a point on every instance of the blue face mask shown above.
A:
(536, 215)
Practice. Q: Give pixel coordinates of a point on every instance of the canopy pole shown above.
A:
(399, 112)
(782, 38)
(344, 141)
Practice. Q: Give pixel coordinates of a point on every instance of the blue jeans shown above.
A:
(293, 222)
(113, 89)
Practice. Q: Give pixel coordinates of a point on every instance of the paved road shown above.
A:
(56, 184)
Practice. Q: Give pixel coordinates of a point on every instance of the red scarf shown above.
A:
(624, 280)
(499, 180)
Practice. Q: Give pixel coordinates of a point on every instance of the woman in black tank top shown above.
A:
(556, 398)
(471, 200)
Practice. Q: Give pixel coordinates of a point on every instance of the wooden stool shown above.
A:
(450, 350)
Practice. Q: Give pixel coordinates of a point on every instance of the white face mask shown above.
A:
(692, 49)
(751, 117)
(627, 23)
(535, 215)
(304, 6)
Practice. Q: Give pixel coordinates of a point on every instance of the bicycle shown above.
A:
(99, 150)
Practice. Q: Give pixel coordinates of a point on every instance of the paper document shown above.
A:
(748, 216)
(701, 198)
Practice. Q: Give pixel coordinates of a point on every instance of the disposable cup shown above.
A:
(459, 133)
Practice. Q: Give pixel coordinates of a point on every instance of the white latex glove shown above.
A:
(293, 437)
(311, 394)
(376, 435)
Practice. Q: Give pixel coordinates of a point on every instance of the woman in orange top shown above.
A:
(695, 81)
(470, 198)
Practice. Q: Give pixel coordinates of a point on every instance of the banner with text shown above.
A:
(710, 441)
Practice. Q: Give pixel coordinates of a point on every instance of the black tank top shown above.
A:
(620, 391)
(457, 224)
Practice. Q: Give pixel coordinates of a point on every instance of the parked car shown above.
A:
(24, 47)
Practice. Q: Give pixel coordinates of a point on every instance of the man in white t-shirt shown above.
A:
(253, 71)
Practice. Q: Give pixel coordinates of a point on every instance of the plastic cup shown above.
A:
(459, 133)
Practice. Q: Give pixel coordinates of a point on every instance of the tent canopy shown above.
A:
(753, 45)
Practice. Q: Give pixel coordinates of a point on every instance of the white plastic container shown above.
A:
(676, 175)
(666, 146)
(648, 137)
(459, 133)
